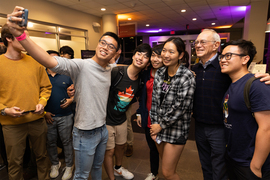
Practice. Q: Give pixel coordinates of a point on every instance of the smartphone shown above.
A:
(63, 101)
(24, 18)
(26, 112)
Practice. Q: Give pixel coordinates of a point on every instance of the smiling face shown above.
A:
(140, 59)
(207, 47)
(236, 63)
(103, 53)
(170, 55)
(156, 60)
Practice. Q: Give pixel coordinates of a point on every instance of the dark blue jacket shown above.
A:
(143, 111)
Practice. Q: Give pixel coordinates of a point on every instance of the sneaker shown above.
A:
(129, 150)
(123, 172)
(55, 170)
(151, 176)
(68, 173)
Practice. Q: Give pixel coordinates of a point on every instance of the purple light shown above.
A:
(47, 33)
(241, 8)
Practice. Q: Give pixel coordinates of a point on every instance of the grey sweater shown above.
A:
(92, 83)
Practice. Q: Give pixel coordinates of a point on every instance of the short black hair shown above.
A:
(67, 50)
(245, 47)
(158, 49)
(144, 47)
(53, 52)
(5, 33)
(114, 36)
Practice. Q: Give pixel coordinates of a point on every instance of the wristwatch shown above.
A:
(3, 113)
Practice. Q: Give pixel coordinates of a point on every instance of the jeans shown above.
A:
(154, 155)
(89, 147)
(63, 125)
(211, 145)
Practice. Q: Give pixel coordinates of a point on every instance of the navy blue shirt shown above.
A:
(211, 86)
(240, 126)
(60, 83)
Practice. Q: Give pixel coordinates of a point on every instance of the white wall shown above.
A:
(53, 13)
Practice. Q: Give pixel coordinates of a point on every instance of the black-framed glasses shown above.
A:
(202, 42)
(228, 56)
(103, 43)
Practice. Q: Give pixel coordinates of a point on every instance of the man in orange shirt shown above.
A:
(24, 91)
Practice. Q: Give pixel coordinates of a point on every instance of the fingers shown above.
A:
(139, 123)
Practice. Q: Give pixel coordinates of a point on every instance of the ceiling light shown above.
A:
(147, 25)
(160, 30)
(129, 19)
(103, 9)
(213, 24)
(183, 10)
(194, 19)
(222, 27)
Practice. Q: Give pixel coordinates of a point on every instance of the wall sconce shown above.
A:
(96, 24)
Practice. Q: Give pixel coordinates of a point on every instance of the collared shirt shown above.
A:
(209, 61)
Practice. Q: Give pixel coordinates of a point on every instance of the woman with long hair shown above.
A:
(172, 101)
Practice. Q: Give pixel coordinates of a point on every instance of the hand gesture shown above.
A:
(48, 117)
(39, 109)
(139, 121)
(67, 103)
(13, 19)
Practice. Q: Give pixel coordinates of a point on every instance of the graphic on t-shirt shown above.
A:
(165, 86)
(124, 99)
(226, 111)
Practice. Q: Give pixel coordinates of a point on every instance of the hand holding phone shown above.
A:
(63, 101)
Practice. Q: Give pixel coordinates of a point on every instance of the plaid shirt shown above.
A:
(173, 114)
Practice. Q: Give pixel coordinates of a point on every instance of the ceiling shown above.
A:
(165, 14)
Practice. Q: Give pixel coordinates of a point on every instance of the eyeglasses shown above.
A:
(202, 42)
(103, 43)
(228, 56)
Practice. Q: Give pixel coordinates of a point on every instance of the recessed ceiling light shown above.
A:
(213, 24)
(103, 9)
(194, 19)
(147, 25)
(183, 10)
(129, 19)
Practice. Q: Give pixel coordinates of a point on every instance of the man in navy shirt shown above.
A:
(59, 120)
(211, 85)
(247, 136)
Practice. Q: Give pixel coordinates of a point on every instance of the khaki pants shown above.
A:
(15, 141)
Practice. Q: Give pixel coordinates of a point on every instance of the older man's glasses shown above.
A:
(103, 43)
(202, 42)
(228, 56)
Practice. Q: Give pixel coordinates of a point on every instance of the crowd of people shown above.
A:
(233, 140)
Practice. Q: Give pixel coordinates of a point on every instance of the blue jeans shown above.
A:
(89, 147)
(64, 126)
(211, 145)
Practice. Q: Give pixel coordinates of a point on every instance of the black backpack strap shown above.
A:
(247, 90)
(117, 75)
